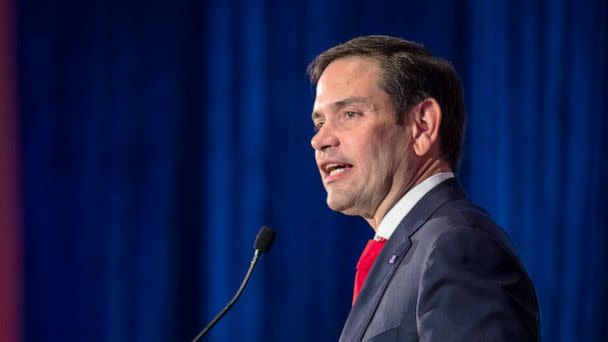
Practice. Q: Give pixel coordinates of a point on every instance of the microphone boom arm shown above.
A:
(254, 261)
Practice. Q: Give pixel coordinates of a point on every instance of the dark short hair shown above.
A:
(409, 74)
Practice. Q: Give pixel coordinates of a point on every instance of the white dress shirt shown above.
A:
(391, 220)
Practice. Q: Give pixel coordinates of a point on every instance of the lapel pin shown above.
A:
(392, 260)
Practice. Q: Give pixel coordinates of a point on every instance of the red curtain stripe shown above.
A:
(10, 245)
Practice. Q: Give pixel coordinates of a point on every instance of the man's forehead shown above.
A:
(346, 81)
(347, 70)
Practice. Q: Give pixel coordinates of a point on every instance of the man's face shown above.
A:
(360, 149)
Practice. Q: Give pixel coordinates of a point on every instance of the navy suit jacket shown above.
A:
(448, 273)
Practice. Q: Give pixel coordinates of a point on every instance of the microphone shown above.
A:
(262, 244)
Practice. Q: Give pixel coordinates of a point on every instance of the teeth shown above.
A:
(336, 171)
(335, 168)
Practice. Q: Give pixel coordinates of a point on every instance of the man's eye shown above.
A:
(350, 114)
(318, 125)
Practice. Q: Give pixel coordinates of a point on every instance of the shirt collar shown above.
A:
(391, 220)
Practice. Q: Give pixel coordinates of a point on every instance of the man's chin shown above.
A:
(341, 205)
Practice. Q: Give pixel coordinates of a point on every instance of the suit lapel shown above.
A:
(391, 256)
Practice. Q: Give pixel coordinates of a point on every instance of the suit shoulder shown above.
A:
(465, 217)
(461, 228)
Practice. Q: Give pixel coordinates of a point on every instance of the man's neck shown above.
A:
(425, 171)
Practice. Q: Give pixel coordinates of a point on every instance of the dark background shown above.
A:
(157, 137)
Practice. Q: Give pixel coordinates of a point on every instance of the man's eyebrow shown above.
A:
(315, 115)
(348, 101)
(341, 104)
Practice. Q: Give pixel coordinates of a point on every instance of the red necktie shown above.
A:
(366, 261)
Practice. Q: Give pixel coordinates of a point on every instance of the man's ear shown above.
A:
(426, 120)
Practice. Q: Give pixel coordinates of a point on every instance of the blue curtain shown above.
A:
(158, 137)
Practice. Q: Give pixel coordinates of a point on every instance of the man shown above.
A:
(389, 121)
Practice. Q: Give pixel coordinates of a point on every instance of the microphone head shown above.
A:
(264, 240)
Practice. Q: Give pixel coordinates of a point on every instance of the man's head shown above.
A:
(409, 74)
(385, 110)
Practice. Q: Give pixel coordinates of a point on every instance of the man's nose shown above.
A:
(324, 139)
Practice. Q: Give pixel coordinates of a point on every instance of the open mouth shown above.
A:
(334, 169)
